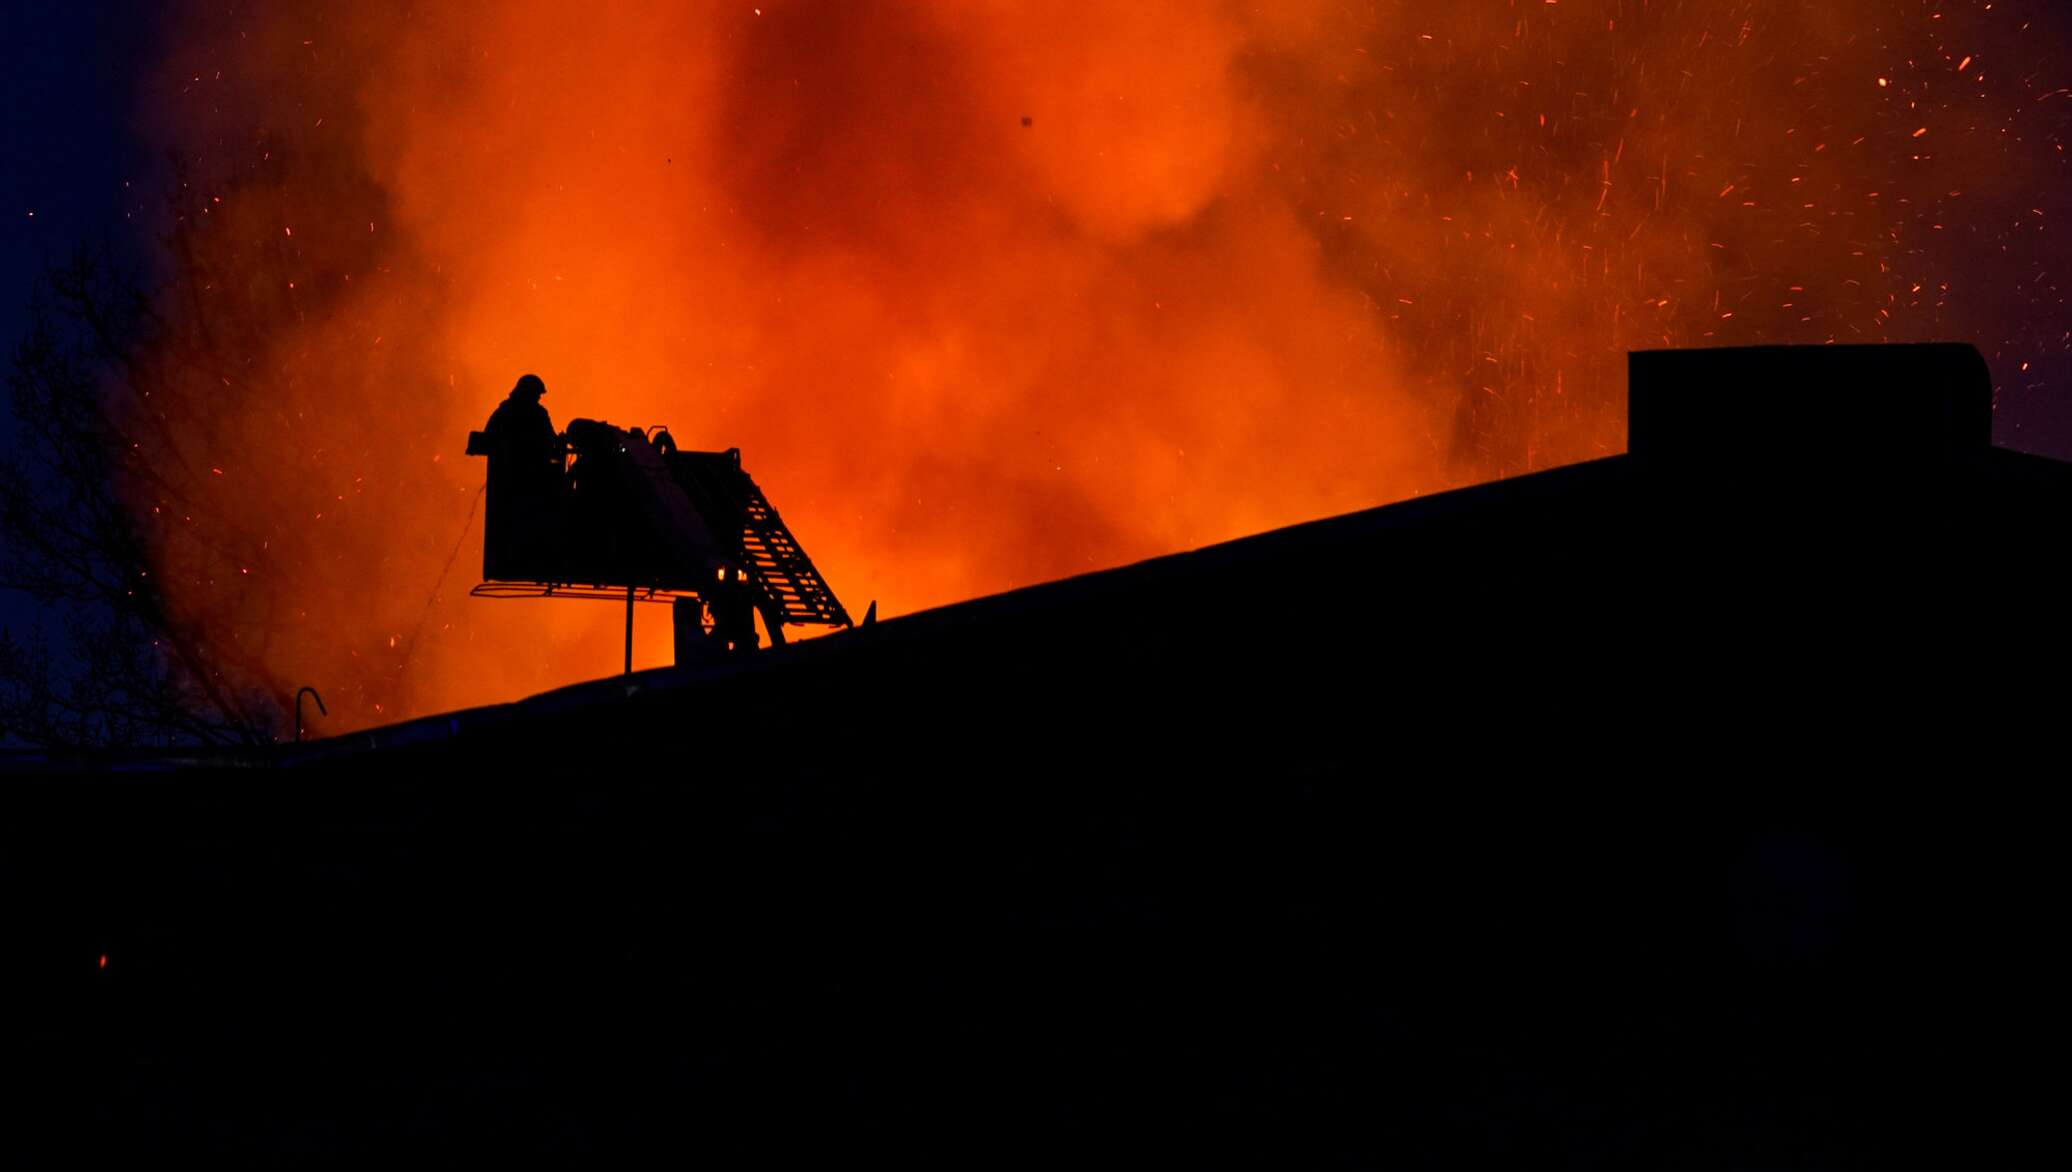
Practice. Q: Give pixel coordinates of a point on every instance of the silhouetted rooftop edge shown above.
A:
(1669, 422)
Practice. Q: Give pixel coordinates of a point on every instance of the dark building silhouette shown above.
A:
(1682, 808)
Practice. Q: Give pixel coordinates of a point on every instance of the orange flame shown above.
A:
(990, 294)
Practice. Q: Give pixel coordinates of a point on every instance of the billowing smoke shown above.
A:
(995, 292)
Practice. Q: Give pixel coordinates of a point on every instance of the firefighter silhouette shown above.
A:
(522, 430)
(526, 485)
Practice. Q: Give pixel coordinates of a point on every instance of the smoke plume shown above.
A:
(989, 293)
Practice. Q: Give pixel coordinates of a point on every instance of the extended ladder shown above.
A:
(787, 586)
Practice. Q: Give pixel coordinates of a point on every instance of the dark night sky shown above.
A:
(69, 144)
(69, 147)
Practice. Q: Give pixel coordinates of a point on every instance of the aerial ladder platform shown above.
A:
(624, 514)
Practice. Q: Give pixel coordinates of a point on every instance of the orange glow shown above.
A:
(991, 294)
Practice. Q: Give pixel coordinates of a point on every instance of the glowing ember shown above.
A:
(992, 294)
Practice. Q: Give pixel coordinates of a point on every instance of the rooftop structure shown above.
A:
(1679, 807)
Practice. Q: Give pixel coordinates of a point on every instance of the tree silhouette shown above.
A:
(131, 400)
(101, 392)
(224, 464)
